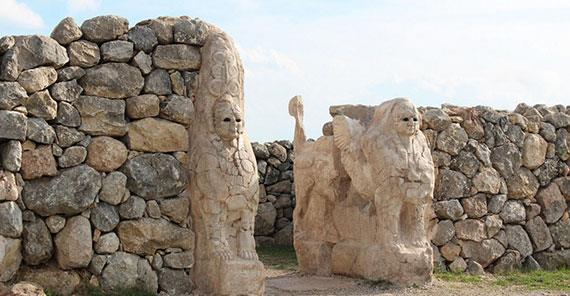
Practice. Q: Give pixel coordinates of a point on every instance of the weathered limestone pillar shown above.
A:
(362, 194)
(224, 180)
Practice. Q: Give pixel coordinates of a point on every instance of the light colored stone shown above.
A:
(387, 215)
(107, 244)
(143, 62)
(41, 105)
(30, 52)
(125, 270)
(37, 79)
(55, 223)
(177, 209)
(452, 139)
(513, 212)
(102, 117)
(8, 189)
(113, 188)
(66, 31)
(179, 260)
(106, 154)
(450, 251)
(146, 235)
(10, 257)
(178, 85)
(487, 180)
(155, 135)
(522, 185)
(12, 94)
(71, 192)
(476, 206)
(221, 150)
(40, 131)
(70, 73)
(73, 244)
(67, 281)
(484, 253)
(27, 289)
(177, 56)
(470, 229)
(459, 265)
(143, 106)
(38, 163)
(534, 151)
(84, 54)
(10, 220)
(104, 28)
(11, 156)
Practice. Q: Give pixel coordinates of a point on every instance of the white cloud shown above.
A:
(14, 13)
(83, 5)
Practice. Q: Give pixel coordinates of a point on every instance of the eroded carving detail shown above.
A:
(224, 181)
(362, 195)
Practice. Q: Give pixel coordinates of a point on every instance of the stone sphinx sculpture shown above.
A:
(362, 194)
(224, 180)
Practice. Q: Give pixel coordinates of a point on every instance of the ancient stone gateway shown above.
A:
(363, 193)
(97, 170)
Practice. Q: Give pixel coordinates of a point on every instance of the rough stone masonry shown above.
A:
(502, 193)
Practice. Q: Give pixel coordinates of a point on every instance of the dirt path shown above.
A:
(293, 283)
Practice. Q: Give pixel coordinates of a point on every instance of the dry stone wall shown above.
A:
(502, 193)
(93, 154)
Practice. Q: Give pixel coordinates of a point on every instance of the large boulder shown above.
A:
(539, 233)
(177, 108)
(484, 252)
(40, 131)
(125, 271)
(552, 202)
(10, 220)
(143, 106)
(177, 56)
(84, 54)
(452, 139)
(31, 52)
(10, 257)
(157, 135)
(112, 80)
(66, 31)
(487, 180)
(451, 184)
(73, 244)
(67, 281)
(13, 125)
(36, 79)
(518, 239)
(523, 184)
(470, 229)
(38, 162)
(12, 94)
(104, 28)
(8, 188)
(105, 217)
(561, 233)
(41, 105)
(145, 236)
(154, 176)
(534, 151)
(506, 159)
(38, 245)
(443, 233)
(70, 193)
(102, 117)
(106, 154)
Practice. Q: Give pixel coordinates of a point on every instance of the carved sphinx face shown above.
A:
(228, 121)
(406, 120)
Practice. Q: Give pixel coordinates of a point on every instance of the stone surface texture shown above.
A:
(388, 214)
(506, 160)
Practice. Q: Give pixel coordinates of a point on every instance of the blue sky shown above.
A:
(495, 53)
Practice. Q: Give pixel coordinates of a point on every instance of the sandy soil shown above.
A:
(293, 283)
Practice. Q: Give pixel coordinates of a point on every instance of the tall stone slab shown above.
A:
(224, 180)
(363, 194)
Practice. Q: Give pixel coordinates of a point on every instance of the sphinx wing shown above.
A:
(347, 133)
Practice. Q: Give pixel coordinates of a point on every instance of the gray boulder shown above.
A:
(66, 31)
(69, 193)
(67, 91)
(100, 116)
(12, 94)
(102, 81)
(143, 38)
(10, 220)
(40, 131)
(117, 51)
(177, 57)
(13, 125)
(74, 244)
(105, 217)
(104, 28)
(518, 239)
(37, 242)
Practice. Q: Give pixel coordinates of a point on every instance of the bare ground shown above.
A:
(293, 283)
